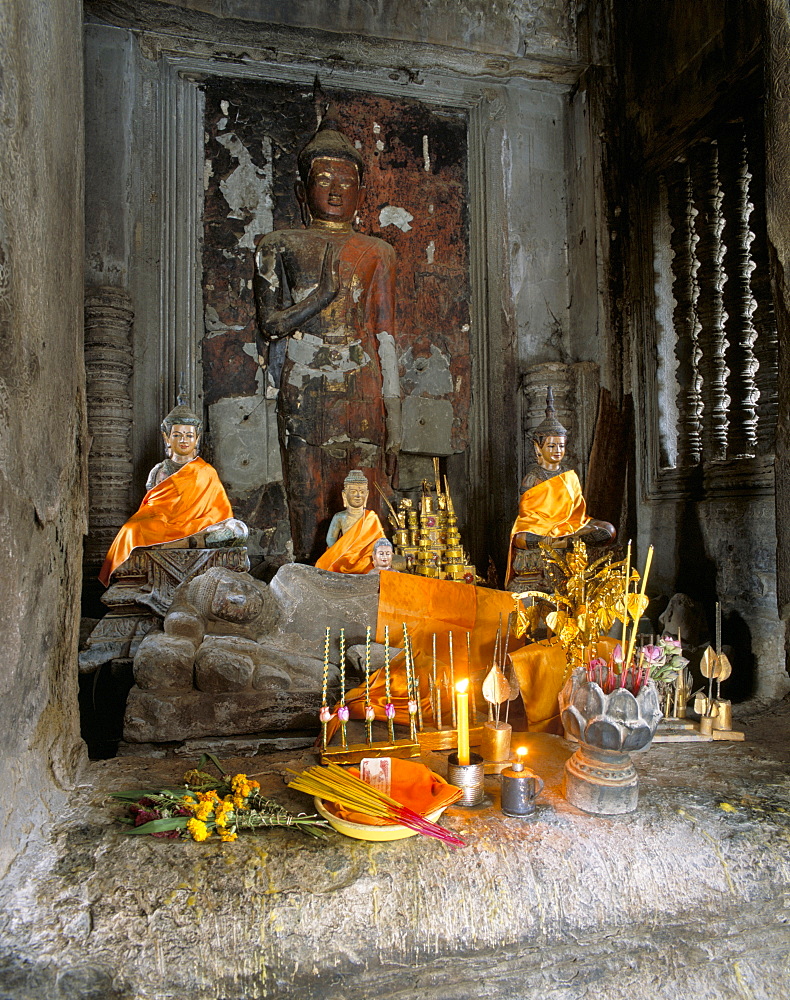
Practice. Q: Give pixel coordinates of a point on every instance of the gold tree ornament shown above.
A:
(588, 598)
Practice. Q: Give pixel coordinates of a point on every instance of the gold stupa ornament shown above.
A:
(427, 539)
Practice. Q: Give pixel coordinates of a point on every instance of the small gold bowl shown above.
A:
(371, 831)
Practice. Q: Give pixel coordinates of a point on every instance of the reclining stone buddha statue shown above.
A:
(551, 506)
(185, 505)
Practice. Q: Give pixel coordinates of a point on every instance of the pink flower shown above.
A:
(343, 713)
(617, 653)
(597, 663)
(654, 655)
(325, 714)
(389, 711)
(412, 707)
(667, 640)
(370, 713)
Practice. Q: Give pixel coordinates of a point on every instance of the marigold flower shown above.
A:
(204, 810)
(228, 836)
(197, 830)
(222, 813)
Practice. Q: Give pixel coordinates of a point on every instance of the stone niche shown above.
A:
(236, 656)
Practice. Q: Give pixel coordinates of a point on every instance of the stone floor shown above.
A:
(685, 898)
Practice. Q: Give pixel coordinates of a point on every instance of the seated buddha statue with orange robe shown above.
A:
(353, 531)
(186, 505)
(552, 506)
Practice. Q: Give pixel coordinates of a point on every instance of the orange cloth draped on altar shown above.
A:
(190, 500)
(540, 670)
(553, 509)
(431, 606)
(353, 551)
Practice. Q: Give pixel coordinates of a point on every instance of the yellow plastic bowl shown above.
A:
(371, 831)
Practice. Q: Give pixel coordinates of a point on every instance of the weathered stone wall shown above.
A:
(684, 71)
(42, 407)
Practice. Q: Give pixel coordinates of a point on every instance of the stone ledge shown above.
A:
(681, 898)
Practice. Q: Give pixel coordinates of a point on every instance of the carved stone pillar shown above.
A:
(684, 291)
(709, 223)
(766, 345)
(738, 299)
(108, 369)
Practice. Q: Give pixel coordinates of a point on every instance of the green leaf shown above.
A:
(208, 756)
(161, 825)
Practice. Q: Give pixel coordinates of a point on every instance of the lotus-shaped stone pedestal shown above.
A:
(600, 777)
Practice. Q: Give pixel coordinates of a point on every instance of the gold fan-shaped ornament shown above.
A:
(710, 664)
(496, 687)
(725, 668)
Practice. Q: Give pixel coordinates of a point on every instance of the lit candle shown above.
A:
(462, 715)
(522, 753)
(452, 675)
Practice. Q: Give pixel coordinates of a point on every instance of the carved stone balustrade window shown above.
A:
(711, 398)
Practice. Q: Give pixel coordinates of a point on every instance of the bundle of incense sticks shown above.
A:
(332, 784)
(633, 678)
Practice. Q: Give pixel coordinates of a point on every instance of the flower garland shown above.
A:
(206, 806)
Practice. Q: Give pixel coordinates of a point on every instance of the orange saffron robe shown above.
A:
(553, 509)
(353, 551)
(190, 500)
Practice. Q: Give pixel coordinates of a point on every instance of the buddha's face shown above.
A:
(355, 495)
(182, 441)
(550, 453)
(333, 189)
(382, 557)
(236, 601)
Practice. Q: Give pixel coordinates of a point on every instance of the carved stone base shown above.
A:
(166, 716)
(115, 637)
(149, 576)
(603, 782)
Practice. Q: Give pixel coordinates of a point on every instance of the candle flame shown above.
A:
(461, 686)
(522, 752)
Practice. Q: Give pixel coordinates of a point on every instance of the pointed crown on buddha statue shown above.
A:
(330, 142)
(355, 476)
(550, 426)
(181, 414)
